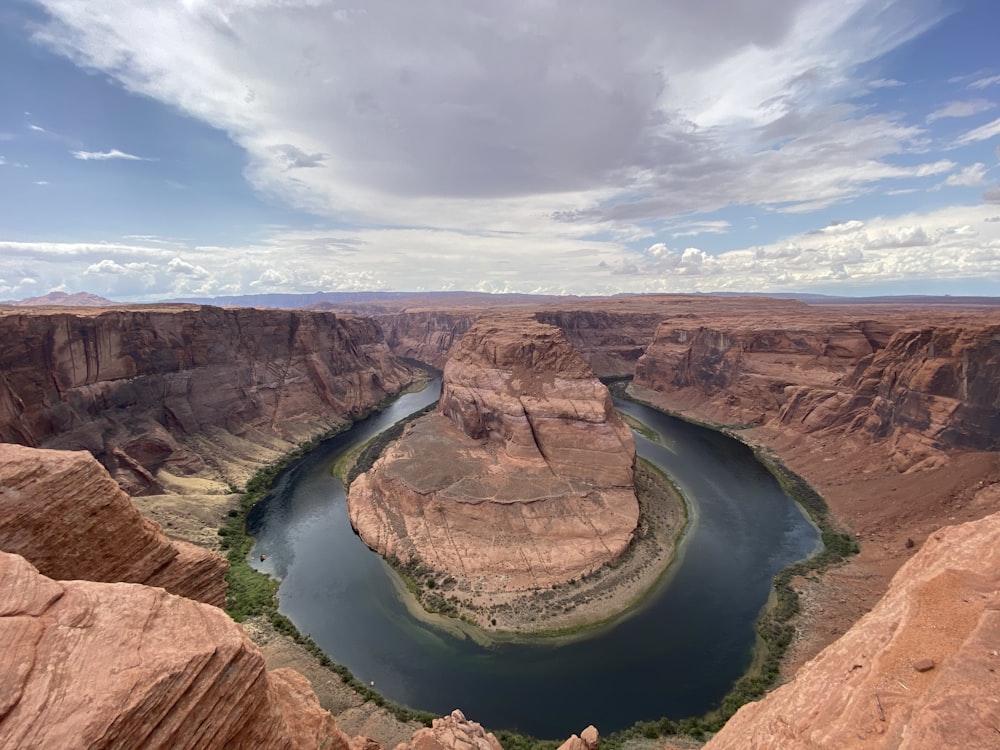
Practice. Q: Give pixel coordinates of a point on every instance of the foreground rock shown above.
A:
(99, 665)
(161, 394)
(522, 480)
(65, 514)
(921, 670)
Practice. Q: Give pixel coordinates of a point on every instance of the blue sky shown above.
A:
(162, 149)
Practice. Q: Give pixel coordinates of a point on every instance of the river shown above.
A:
(676, 655)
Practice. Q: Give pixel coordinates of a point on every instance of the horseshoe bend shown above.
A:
(522, 480)
(890, 411)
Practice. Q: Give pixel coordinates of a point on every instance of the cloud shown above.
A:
(971, 176)
(982, 133)
(2, 161)
(992, 195)
(37, 128)
(885, 83)
(983, 83)
(702, 227)
(961, 109)
(451, 116)
(106, 155)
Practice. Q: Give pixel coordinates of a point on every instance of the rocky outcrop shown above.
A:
(101, 665)
(63, 512)
(522, 479)
(160, 393)
(926, 391)
(452, 732)
(920, 670)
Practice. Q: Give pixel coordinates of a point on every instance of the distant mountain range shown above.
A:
(371, 300)
(61, 299)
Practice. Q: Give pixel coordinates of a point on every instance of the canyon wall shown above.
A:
(923, 391)
(921, 670)
(162, 392)
(526, 469)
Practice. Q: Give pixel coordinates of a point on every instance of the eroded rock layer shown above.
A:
(926, 390)
(522, 479)
(920, 670)
(101, 665)
(160, 393)
(65, 514)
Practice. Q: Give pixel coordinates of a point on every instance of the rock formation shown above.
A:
(102, 665)
(925, 390)
(63, 512)
(921, 670)
(160, 393)
(524, 477)
(452, 732)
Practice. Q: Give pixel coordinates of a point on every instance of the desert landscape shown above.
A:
(888, 410)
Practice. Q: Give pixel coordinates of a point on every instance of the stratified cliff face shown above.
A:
(610, 341)
(934, 386)
(921, 670)
(520, 383)
(160, 392)
(426, 335)
(102, 665)
(526, 471)
(925, 390)
(65, 514)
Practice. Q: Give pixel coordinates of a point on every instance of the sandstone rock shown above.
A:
(863, 690)
(186, 390)
(588, 740)
(523, 479)
(452, 732)
(63, 512)
(99, 665)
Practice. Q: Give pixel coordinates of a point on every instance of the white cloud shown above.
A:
(37, 128)
(992, 195)
(492, 118)
(971, 176)
(106, 155)
(982, 133)
(983, 83)
(702, 227)
(961, 109)
(2, 161)
(934, 249)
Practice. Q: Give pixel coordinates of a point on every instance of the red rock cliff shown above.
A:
(161, 391)
(526, 445)
(65, 514)
(926, 391)
(102, 665)
(921, 670)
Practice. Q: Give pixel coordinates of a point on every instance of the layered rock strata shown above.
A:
(522, 479)
(926, 391)
(920, 670)
(162, 393)
(65, 514)
(102, 665)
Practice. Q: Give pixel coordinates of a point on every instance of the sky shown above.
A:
(183, 148)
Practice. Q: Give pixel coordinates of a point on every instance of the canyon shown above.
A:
(888, 410)
(526, 443)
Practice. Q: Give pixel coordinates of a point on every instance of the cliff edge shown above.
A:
(921, 670)
(65, 514)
